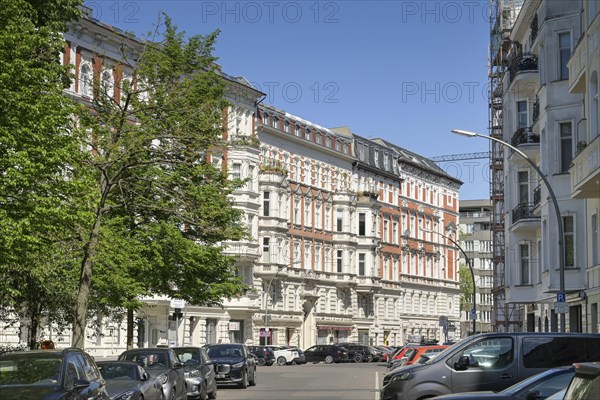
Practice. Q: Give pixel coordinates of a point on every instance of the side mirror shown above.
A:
(81, 384)
(145, 376)
(462, 364)
(178, 365)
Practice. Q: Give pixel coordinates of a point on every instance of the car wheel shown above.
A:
(203, 387)
(369, 358)
(213, 395)
(252, 381)
(244, 383)
(357, 358)
(261, 361)
(173, 394)
(281, 360)
(329, 359)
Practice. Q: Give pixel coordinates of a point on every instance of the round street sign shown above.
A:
(177, 303)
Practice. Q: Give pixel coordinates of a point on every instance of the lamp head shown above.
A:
(464, 133)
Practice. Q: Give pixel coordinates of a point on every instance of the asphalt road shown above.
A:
(347, 381)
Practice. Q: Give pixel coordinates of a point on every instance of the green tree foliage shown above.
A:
(162, 208)
(39, 163)
(466, 288)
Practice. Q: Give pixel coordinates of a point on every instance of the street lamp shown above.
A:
(266, 298)
(561, 249)
(469, 264)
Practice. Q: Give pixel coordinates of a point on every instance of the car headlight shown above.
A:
(193, 374)
(125, 396)
(401, 377)
(162, 378)
(238, 365)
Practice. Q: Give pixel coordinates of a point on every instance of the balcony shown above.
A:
(527, 141)
(536, 110)
(523, 217)
(526, 62)
(344, 280)
(585, 171)
(367, 284)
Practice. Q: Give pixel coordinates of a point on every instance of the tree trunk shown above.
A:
(130, 328)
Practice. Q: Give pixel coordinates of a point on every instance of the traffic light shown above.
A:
(177, 314)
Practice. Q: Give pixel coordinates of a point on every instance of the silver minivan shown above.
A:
(489, 361)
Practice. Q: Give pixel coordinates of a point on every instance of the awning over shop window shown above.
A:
(334, 328)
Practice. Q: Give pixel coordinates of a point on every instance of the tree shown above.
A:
(466, 288)
(162, 208)
(39, 159)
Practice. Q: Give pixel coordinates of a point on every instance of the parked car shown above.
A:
(233, 363)
(489, 361)
(50, 374)
(284, 354)
(301, 359)
(586, 383)
(413, 354)
(397, 356)
(357, 352)
(129, 380)
(163, 364)
(329, 353)
(199, 371)
(536, 387)
(264, 355)
(376, 353)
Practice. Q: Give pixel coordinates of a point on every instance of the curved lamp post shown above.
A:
(561, 249)
(469, 264)
(268, 290)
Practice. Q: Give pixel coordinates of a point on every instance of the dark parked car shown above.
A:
(357, 352)
(163, 364)
(329, 353)
(264, 355)
(199, 372)
(233, 363)
(129, 380)
(536, 387)
(50, 374)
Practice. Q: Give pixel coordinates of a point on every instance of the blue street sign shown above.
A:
(561, 298)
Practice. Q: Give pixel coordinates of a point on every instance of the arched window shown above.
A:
(107, 84)
(594, 107)
(85, 81)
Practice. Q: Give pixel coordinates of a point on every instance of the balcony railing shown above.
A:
(522, 63)
(523, 211)
(537, 196)
(525, 136)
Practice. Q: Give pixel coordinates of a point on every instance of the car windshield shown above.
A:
(118, 371)
(27, 370)
(148, 360)
(188, 356)
(224, 351)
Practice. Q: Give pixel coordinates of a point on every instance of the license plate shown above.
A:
(220, 376)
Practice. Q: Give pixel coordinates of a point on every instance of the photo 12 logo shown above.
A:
(442, 11)
(253, 12)
(115, 12)
(293, 92)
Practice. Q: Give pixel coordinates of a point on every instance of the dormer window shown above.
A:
(307, 134)
(275, 122)
(298, 130)
(265, 118)
(286, 126)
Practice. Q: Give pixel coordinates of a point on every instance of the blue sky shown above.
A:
(406, 71)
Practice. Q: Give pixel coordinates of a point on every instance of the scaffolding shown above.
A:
(503, 14)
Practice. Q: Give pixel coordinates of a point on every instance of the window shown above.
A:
(250, 182)
(296, 211)
(594, 107)
(522, 121)
(266, 203)
(318, 138)
(275, 122)
(523, 187)
(235, 171)
(307, 134)
(546, 352)
(564, 52)
(85, 81)
(525, 266)
(265, 118)
(386, 232)
(595, 244)
(339, 219)
(298, 130)
(488, 353)
(569, 240)
(266, 251)
(566, 146)
(286, 126)
(340, 258)
(338, 145)
(362, 224)
(361, 264)
(395, 232)
(318, 216)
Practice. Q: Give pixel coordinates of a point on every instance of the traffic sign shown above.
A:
(177, 303)
(560, 308)
(561, 298)
(443, 321)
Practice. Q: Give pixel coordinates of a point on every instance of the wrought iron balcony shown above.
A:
(536, 110)
(522, 63)
(525, 136)
(523, 211)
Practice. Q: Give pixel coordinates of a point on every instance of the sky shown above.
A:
(405, 71)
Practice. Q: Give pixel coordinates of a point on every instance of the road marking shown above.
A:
(376, 385)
